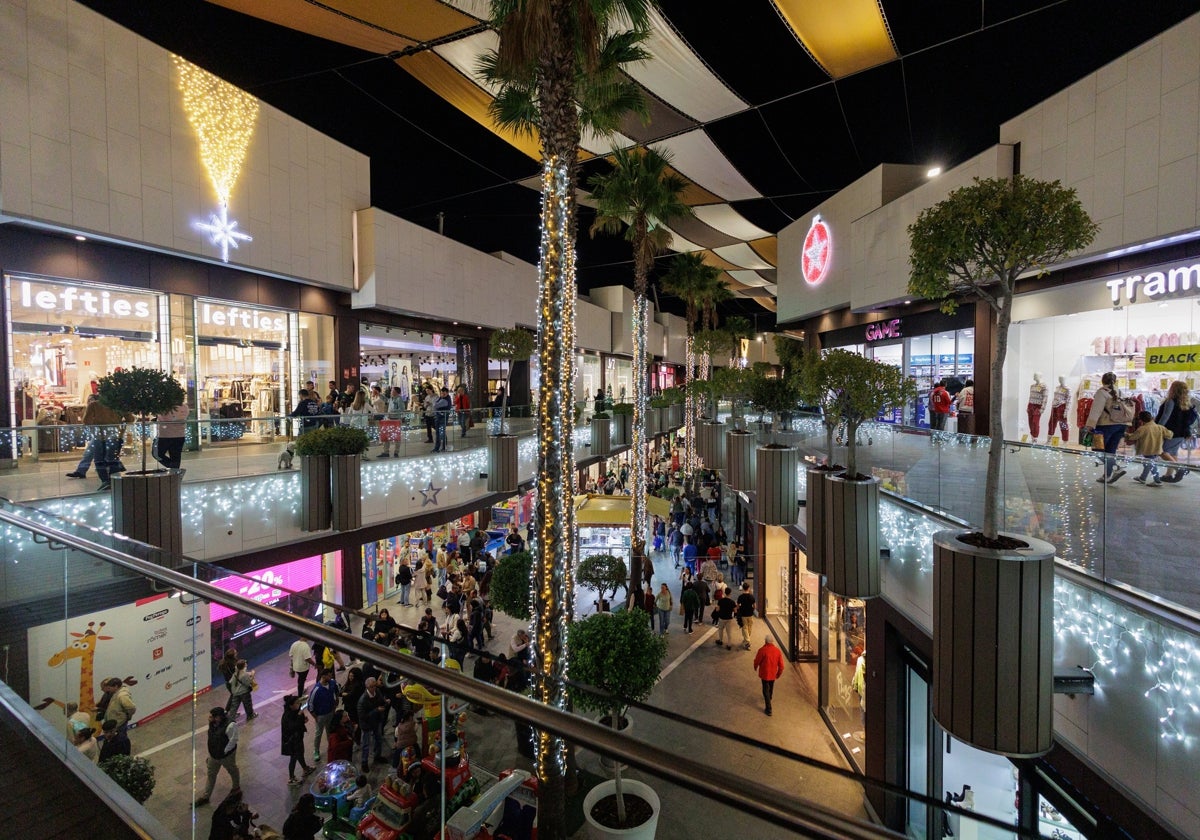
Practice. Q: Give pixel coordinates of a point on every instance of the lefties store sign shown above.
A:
(80, 300)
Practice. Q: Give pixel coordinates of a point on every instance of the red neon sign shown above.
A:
(818, 252)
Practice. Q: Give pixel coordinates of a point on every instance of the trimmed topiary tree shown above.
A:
(615, 660)
(142, 392)
(134, 775)
(509, 591)
(511, 345)
(603, 573)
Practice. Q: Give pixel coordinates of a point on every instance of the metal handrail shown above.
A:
(818, 820)
(811, 819)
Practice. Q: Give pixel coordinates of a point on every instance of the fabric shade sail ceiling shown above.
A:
(768, 108)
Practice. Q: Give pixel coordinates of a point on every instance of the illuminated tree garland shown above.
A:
(555, 513)
(638, 456)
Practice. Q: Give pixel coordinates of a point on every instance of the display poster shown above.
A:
(157, 646)
(371, 565)
(399, 375)
(502, 517)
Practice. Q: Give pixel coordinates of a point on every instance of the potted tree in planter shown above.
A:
(618, 657)
(974, 245)
(864, 388)
(509, 591)
(135, 776)
(622, 425)
(605, 574)
(146, 503)
(331, 478)
(601, 433)
(511, 345)
(811, 376)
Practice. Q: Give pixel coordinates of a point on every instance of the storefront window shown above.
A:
(1054, 825)
(845, 673)
(312, 354)
(618, 379)
(589, 379)
(917, 764)
(64, 336)
(241, 365)
(393, 356)
(382, 558)
(977, 781)
(1070, 352)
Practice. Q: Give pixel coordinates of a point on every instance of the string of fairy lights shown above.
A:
(554, 516)
(224, 119)
(640, 404)
(689, 409)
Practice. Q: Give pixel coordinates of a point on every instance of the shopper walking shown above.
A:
(222, 752)
(301, 660)
(462, 405)
(292, 727)
(724, 612)
(107, 428)
(168, 446)
(428, 398)
(228, 669)
(689, 599)
(768, 662)
(664, 603)
(404, 579)
(322, 703)
(372, 711)
(1177, 415)
(242, 692)
(745, 614)
(442, 407)
(1107, 419)
(120, 706)
(1148, 441)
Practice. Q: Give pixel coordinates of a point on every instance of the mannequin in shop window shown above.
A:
(1059, 403)
(1037, 403)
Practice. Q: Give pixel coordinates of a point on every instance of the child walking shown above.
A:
(1148, 443)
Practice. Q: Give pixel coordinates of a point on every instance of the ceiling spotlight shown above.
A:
(80, 238)
(933, 172)
(907, 302)
(455, 323)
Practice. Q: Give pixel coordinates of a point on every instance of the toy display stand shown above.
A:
(336, 780)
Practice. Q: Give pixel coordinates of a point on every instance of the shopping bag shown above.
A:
(389, 430)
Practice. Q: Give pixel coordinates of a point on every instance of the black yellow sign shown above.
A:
(1183, 357)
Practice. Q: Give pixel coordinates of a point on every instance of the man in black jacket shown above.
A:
(222, 752)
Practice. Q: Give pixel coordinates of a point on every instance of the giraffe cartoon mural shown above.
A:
(82, 648)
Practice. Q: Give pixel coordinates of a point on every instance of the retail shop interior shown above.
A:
(407, 359)
(1055, 363)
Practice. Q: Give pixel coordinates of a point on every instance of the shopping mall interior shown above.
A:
(398, 335)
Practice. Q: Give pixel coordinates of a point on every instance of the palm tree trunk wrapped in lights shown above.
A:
(556, 60)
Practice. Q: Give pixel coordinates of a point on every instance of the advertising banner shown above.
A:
(157, 646)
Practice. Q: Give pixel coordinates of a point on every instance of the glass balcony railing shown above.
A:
(1122, 533)
(457, 746)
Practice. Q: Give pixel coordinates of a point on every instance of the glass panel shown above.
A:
(845, 673)
(1054, 825)
(980, 782)
(917, 765)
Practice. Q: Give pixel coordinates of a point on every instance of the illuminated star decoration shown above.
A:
(223, 232)
(430, 494)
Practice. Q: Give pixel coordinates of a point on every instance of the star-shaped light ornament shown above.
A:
(223, 232)
(429, 494)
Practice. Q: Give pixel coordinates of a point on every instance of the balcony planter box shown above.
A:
(740, 459)
(601, 435)
(710, 444)
(654, 422)
(502, 464)
(315, 512)
(993, 643)
(674, 415)
(147, 508)
(776, 491)
(815, 504)
(851, 539)
(622, 429)
(346, 491)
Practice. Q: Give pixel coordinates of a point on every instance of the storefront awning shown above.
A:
(613, 511)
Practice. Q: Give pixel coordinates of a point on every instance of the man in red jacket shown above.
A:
(769, 664)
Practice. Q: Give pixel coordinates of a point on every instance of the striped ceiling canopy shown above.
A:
(767, 108)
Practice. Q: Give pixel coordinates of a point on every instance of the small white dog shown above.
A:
(286, 456)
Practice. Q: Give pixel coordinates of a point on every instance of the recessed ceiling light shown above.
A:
(455, 323)
(933, 172)
(79, 237)
(907, 302)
